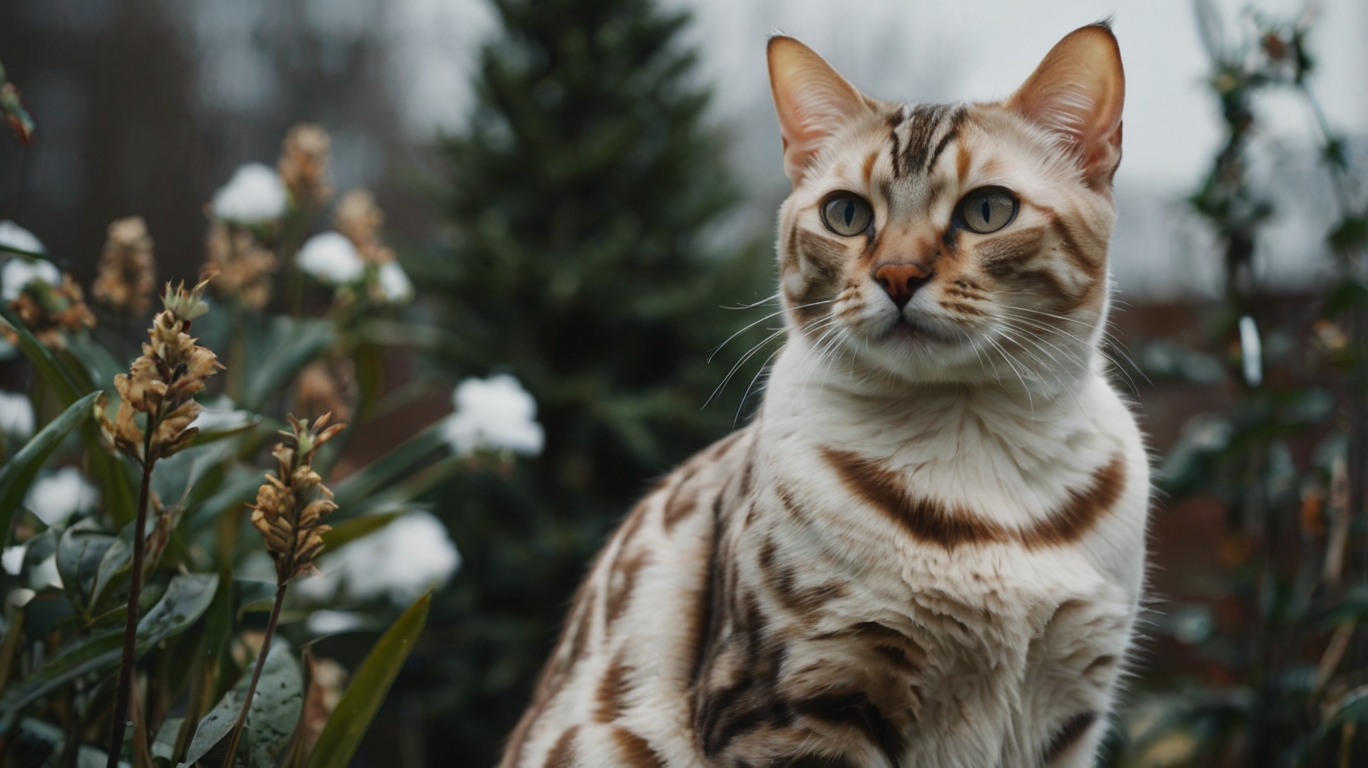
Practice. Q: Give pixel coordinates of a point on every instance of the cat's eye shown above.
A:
(847, 214)
(986, 210)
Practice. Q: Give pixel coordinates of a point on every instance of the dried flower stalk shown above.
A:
(47, 310)
(289, 510)
(359, 219)
(161, 385)
(240, 266)
(290, 506)
(127, 273)
(305, 165)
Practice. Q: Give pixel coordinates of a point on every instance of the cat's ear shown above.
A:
(1077, 92)
(812, 100)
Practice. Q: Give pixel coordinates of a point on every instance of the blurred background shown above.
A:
(581, 189)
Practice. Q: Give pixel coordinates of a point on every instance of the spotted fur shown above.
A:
(927, 549)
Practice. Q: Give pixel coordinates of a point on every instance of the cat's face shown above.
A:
(951, 243)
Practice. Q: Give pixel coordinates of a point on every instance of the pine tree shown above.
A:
(582, 197)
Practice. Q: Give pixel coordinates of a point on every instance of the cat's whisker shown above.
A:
(766, 300)
(740, 363)
(719, 347)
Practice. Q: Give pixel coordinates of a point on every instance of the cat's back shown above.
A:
(616, 688)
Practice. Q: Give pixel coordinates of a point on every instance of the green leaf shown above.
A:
(99, 364)
(253, 595)
(87, 757)
(349, 722)
(43, 360)
(80, 556)
(273, 714)
(293, 345)
(387, 469)
(348, 531)
(185, 599)
(17, 473)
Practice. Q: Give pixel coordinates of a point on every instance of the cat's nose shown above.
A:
(900, 281)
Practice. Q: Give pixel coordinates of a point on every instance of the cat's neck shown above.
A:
(811, 399)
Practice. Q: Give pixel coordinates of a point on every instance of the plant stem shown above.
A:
(122, 691)
(256, 675)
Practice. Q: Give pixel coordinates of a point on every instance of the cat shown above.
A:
(927, 549)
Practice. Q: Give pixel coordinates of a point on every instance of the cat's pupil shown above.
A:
(849, 214)
(987, 209)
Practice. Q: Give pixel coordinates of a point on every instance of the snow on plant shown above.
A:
(14, 236)
(16, 414)
(332, 258)
(254, 195)
(397, 563)
(495, 414)
(395, 285)
(18, 273)
(58, 496)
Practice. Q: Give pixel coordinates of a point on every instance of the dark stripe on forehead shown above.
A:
(928, 129)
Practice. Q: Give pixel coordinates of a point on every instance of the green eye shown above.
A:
(847, 214)
(987, 210)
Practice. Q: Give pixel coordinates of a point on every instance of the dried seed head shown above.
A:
(48, 310)
(325, 386)
(127, 273)
(241, 268)
(290, 505)
(360, 219)
(162, 383)
(305, 165)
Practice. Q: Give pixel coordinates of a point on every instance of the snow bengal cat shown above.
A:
(928, 548)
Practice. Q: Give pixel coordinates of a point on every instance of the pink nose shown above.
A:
(900, 281)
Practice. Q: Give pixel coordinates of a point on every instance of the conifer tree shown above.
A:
(584, 196)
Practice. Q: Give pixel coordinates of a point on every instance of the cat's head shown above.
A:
(951, 243)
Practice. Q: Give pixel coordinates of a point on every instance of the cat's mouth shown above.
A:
(911, 330)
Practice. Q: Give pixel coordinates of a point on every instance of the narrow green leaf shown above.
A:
(17, 473)
(349, 722)
(43, 360)
(399, 462)
(293, 345)
(185, 599)
(348, 531)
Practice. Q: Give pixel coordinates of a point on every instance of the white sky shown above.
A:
(927, 50)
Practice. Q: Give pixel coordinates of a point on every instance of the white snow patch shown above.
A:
(18, 273)
(58, 496)
(332, 258)
(255, 194)
(45, 574)
(16, 414)
(395, 283)
(494, 413)
(398, 562)
(12, 560)
(15, 236)
(325, 622)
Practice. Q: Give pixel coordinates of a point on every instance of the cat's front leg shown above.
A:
(1078, 662)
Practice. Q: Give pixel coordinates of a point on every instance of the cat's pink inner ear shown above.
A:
(812, 100)
(1077, 92)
